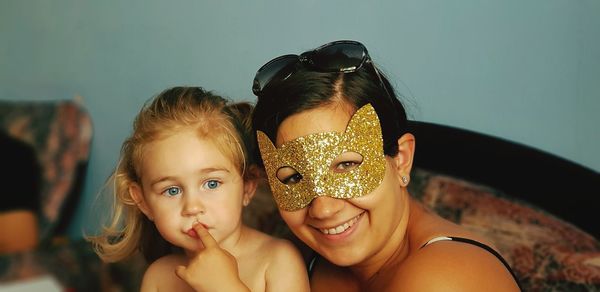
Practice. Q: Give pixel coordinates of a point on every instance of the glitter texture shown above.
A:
(312, 156)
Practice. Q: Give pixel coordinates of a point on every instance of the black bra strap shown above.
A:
(481, 245)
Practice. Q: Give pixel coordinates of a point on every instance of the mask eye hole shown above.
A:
(346, 162)
(288, 175)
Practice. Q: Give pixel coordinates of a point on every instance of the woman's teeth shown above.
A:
(340, 228)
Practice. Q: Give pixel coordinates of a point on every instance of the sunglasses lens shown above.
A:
(281, 67)
(339, 57)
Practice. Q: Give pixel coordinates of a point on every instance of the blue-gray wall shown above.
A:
(525, 70)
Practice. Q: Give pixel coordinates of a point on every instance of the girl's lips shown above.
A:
(192, 233)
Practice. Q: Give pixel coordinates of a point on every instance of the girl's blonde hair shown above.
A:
(175, 109)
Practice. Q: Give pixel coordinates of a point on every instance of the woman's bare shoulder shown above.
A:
(452, 266)
(426, 225)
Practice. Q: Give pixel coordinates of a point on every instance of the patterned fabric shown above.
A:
(60, 132)
(546, 253)
(75, 266)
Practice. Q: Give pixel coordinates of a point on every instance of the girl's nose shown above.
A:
(193, 206)
(324, 207)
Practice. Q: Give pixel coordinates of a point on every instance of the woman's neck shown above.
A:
(393, 253)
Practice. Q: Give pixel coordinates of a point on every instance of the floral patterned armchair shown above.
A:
(60, 133)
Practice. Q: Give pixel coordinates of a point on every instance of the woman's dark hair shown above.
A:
(306, 89)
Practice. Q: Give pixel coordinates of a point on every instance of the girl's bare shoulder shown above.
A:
(285, 269)
(265, 244)
(160, 274)
(170, 260)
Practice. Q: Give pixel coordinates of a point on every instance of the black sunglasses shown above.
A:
(340, 56)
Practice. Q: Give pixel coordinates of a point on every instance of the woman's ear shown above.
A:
(136, 193)
(405, 156)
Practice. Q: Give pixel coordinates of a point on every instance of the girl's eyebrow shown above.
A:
(214, 169)
(202, 171)
(161, 179)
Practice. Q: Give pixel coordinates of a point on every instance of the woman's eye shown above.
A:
(172, 191)
(211, 184)
(288, 175)
(346, 166)
(346, 162)
(292, 179)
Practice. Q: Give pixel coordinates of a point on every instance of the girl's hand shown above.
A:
(212, 268)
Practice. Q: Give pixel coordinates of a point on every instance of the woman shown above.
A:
(333, 141)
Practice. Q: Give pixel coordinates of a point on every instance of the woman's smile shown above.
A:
(340, 232)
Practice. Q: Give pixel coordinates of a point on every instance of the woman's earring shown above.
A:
(404, 180)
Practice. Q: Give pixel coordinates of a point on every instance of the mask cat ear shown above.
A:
(266, 147)
(364, 122)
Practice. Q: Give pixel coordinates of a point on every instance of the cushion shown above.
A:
(545, 252)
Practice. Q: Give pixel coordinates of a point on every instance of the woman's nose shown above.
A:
(192, 205)
(323, 207)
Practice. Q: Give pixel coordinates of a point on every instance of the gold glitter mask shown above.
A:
(312, 157)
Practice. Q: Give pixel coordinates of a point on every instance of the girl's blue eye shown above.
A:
(172, 191)
(211, 184)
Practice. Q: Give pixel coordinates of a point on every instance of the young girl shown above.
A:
(182, 180)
